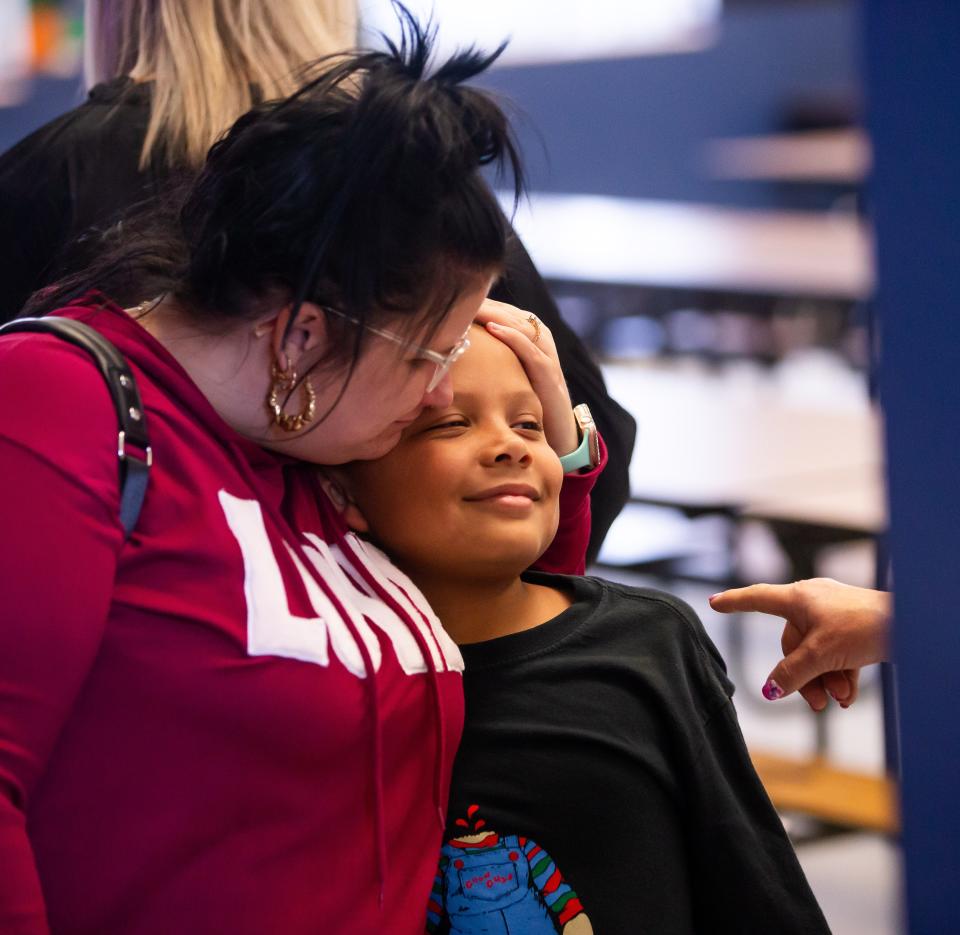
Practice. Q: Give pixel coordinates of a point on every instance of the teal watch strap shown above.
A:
(581, 457)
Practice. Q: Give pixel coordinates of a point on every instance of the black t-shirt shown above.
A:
(603, 776)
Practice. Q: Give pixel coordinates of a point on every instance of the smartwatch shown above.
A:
(588, 454)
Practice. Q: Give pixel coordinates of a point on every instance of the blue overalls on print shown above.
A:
(489, 892)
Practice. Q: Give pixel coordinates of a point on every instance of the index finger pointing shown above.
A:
(777, 599)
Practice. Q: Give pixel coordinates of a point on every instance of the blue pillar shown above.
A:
(912, 54)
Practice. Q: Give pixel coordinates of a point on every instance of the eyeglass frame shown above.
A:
(443, 362)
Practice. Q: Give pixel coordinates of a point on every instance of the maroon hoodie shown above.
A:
(240, 720)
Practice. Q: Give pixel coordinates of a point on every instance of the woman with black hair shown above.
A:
(166, 79)
(242, 718)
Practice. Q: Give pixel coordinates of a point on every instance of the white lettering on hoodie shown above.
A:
(273, 631)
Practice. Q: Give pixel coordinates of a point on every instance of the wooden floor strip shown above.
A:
(815, 787)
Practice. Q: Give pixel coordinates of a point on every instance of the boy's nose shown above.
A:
(509, 446)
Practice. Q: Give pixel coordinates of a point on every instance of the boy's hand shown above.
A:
(530, 339)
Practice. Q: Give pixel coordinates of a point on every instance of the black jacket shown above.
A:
(78, 174)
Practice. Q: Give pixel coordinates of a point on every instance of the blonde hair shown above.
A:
(209, 60)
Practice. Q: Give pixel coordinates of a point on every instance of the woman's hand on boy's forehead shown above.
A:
(530, 339)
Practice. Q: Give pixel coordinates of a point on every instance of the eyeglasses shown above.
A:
(442, 362)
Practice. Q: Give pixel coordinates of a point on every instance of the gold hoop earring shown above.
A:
(283, 382)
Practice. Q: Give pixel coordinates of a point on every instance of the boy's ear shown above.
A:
(338, 492)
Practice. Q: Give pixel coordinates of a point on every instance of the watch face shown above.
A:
(589, 429)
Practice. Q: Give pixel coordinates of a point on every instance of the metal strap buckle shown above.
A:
(122, 449)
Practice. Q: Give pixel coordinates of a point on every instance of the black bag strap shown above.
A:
(131, 419)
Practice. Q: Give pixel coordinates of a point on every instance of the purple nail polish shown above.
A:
(771, 690)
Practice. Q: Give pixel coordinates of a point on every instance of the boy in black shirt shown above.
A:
(602, 783)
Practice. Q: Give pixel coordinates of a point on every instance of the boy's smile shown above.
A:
(517, 498)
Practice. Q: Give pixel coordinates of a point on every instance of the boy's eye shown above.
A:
(449, 424)
(530, 425)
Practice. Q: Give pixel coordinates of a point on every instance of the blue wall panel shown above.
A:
(637, 127)
(913, 90)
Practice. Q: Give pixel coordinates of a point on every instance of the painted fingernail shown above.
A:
(712, 596)
(771, 690)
